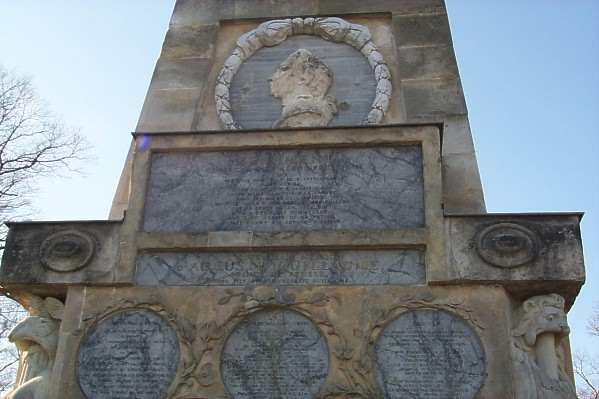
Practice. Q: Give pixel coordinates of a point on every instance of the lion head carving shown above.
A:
(537, 350)
(541, 314)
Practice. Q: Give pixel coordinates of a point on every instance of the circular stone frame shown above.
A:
(272, 33)
(78, 250)
(507, 245)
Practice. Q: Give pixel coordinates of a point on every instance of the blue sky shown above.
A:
(530, 70)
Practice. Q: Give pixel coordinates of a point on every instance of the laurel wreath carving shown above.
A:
(272, 33)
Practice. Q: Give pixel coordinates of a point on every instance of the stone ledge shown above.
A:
(58, 253)
(530, 254)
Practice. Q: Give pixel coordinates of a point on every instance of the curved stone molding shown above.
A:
(130, 354)
(275, 353)
(429, 353)
(272, 33)
(507, 245)
(36, 338)
(67, 251)
(537, 353)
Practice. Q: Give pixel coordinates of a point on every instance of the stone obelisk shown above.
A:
(300, 216)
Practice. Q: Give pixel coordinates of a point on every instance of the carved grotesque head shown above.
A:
(542, 314)
(302, 82)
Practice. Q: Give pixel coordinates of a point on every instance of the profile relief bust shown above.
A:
(302, 82)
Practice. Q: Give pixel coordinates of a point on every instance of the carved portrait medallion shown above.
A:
(305, 58)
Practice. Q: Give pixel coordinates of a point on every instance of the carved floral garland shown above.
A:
(272, 33)
(358, 370)
(199, 342)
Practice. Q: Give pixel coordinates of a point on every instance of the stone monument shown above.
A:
(300, 216)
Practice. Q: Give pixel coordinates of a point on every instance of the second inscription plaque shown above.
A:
(286, 190)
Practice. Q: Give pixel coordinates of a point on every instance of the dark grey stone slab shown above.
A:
(132, 354)
(353, 82)
(275, 354)
(282, 268)
(429, 354)
(286, 190)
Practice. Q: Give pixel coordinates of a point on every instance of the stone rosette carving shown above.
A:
(537, 351)
(36, 338)
(272, 33)
(507, 245)
(67, 251)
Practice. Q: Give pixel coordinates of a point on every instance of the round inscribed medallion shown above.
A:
(275, 354)
(429, 354)
(305, 76)
(132, 354)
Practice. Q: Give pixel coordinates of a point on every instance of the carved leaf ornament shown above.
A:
(272, 33)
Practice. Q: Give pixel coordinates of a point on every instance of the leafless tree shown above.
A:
(10, 314)
(586, 365)
(34, 144)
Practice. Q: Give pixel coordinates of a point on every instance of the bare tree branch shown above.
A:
(34, 144)
(586, 365)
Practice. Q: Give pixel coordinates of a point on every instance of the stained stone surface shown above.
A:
(275, 354)
(282, 268)
(429, 354)
(129, 355)
(354, 85)
(286, 190)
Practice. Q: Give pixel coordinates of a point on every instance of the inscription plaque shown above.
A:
(286, 190)
(282, 268)
(429, 354)
(275, 354)
(132, 354)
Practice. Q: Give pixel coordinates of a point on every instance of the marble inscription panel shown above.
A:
(282, 268)
(286, 190)
(275, 354)
(429, 354)
(132, 354)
